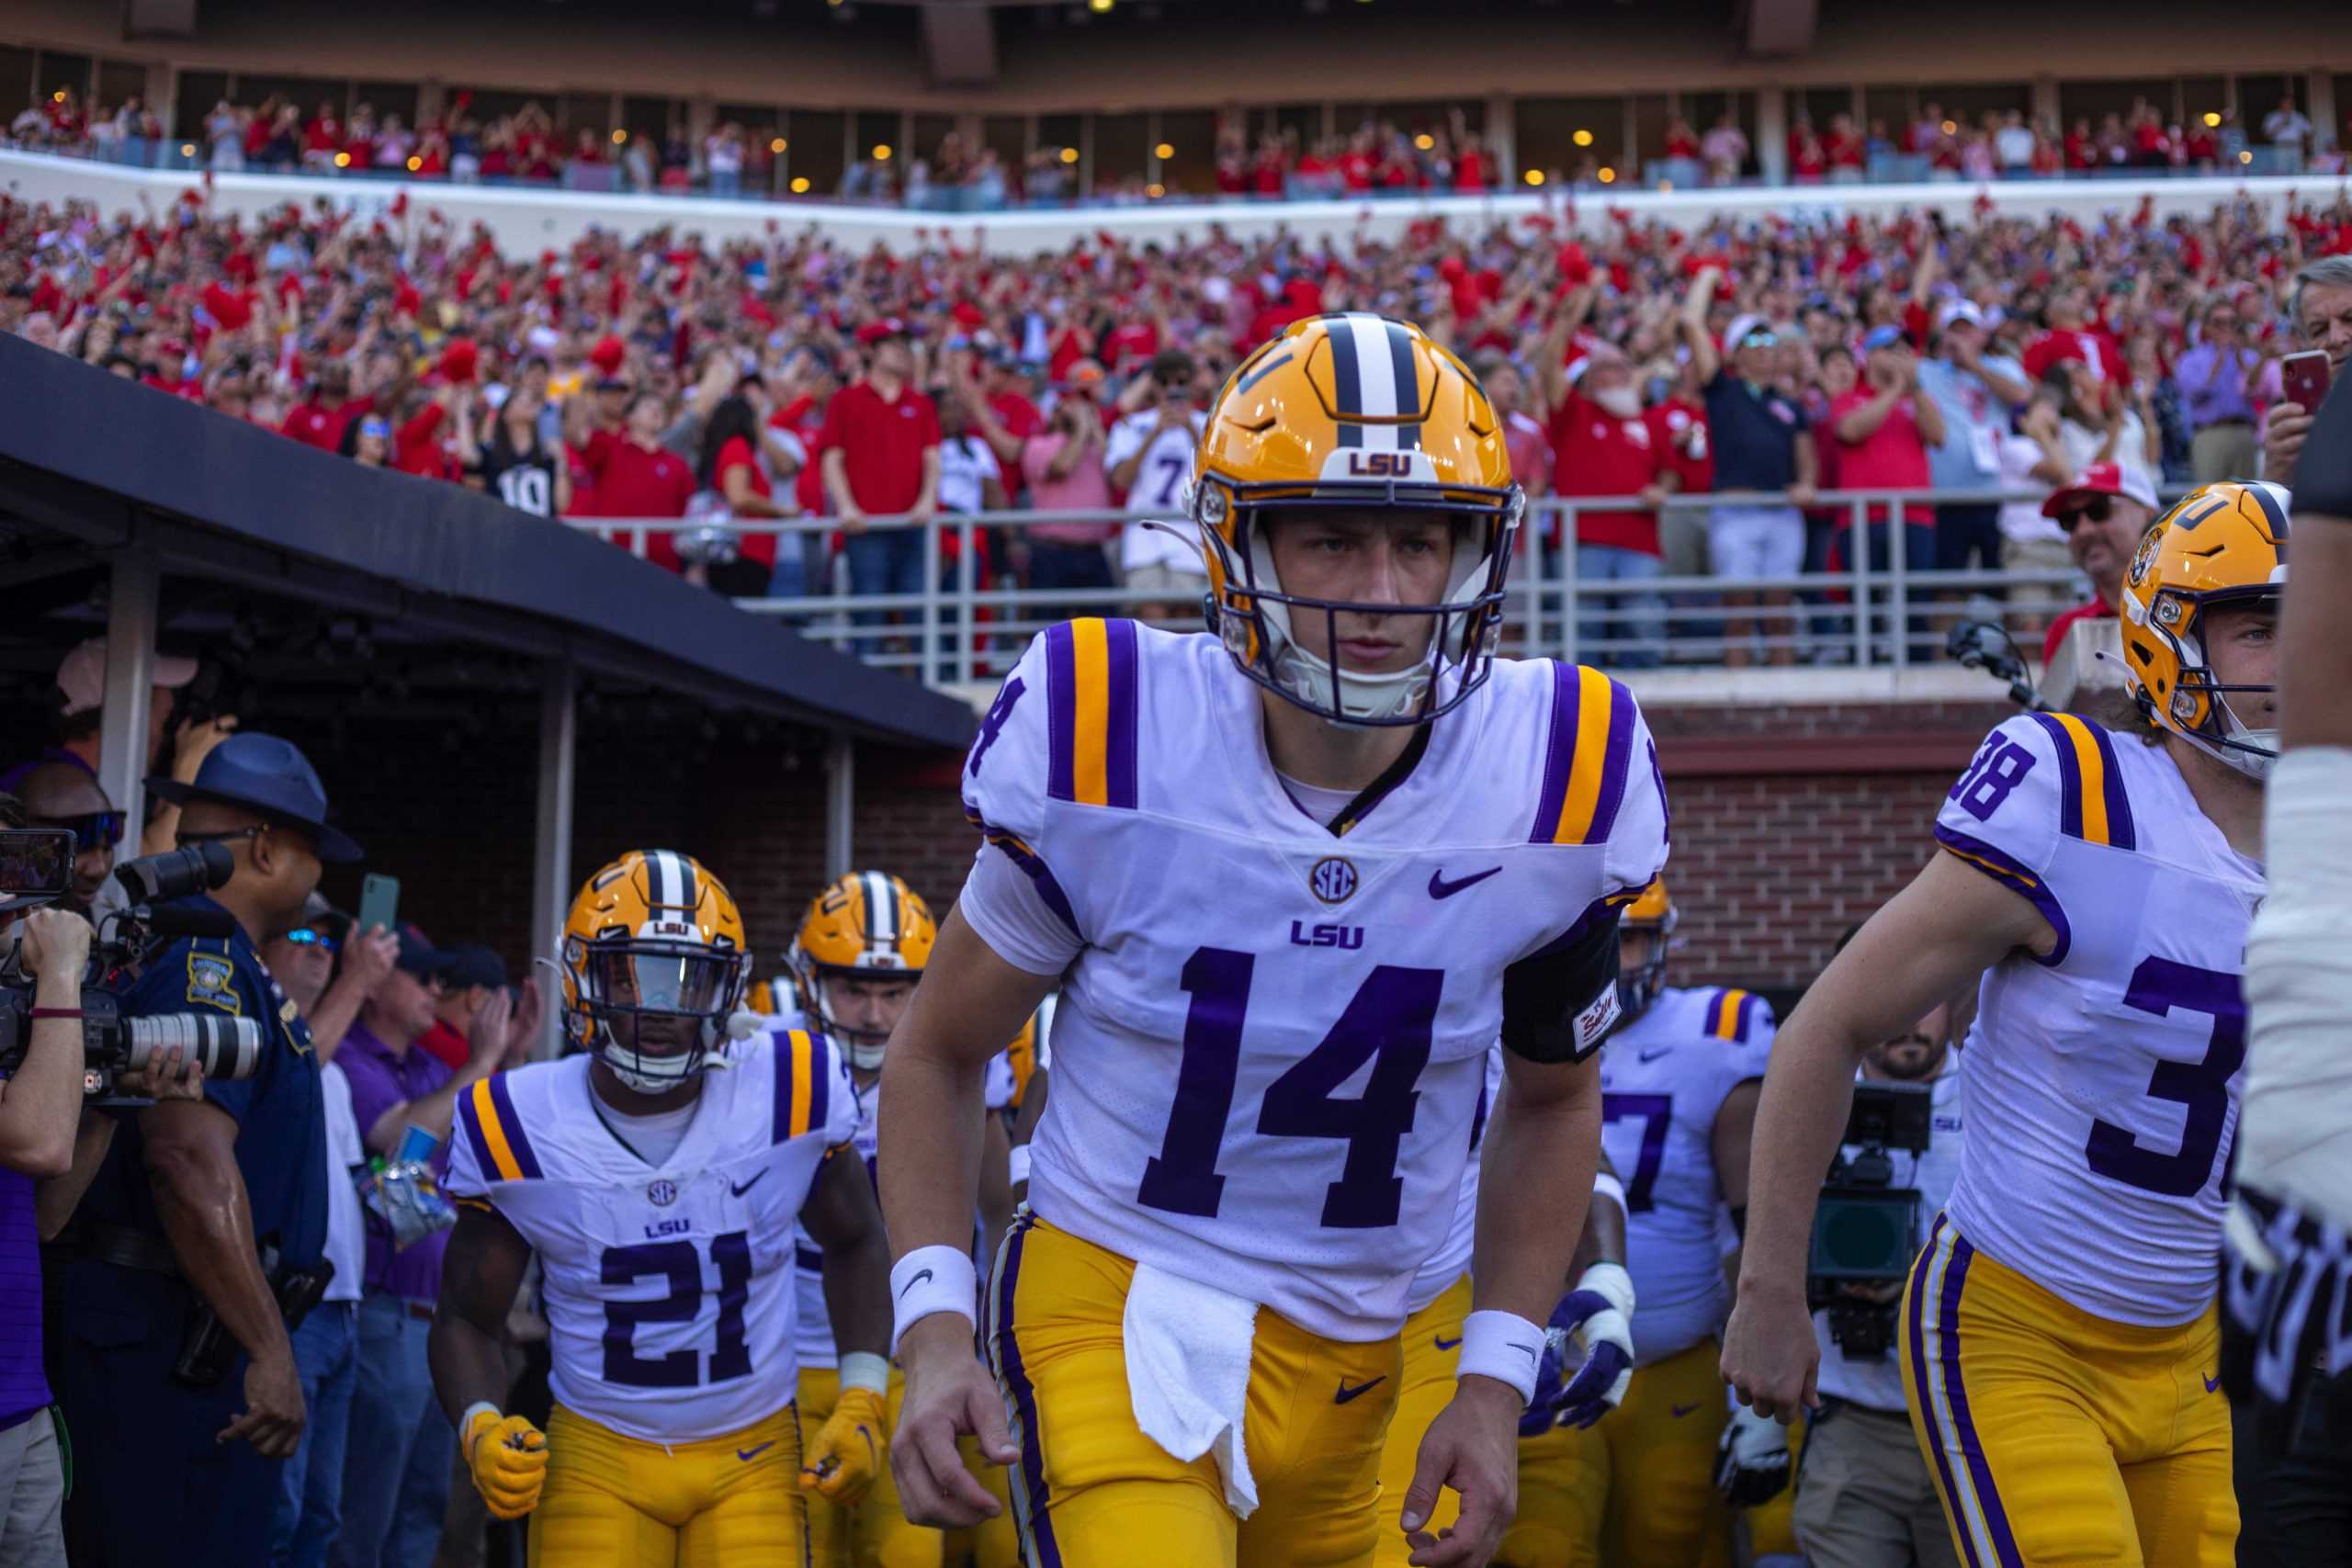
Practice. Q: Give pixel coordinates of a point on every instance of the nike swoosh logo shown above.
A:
(1679, 1411)
(918, 1280)
(1655, 1053)
(2211, 1384)
(1347, 1393)
(1445, 1344)
(748, 1454)
(1441, 888)
(739, 1191)
(1534, 1352)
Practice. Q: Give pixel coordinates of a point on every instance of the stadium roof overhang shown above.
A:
(92, 465)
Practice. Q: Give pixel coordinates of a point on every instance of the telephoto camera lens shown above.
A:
(227, 1047)
(176, 873)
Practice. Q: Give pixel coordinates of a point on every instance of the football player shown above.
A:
(660, 1196)
(860, 948)
(2059, 1339)
(1679, 1083)
(1335, 845)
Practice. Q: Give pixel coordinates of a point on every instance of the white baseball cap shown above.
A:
(83, 676)
(1959, 311)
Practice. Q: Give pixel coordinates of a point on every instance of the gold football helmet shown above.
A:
(1651, 912)
(2221, 545)
(1354, 412)
(653, 963)
(865, 925)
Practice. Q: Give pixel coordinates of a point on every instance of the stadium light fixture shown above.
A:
(1163, 151)
(1608, 176)
(187, 148)
(414, 163)
(777, 145)
(1155, 190)
(620, 136)
(881, 152)
(1582, 139)
(343, 160)
(1533, 176)
(1098, 6)
(2212, 120)
(1950, 127)
(1069, 154)
(2245, 157)
(800, 184)
(57, 97)
(1424, 141)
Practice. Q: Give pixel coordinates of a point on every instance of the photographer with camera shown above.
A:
(1864, 1497)
(204, 1232)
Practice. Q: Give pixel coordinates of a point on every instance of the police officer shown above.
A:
(192, 1193)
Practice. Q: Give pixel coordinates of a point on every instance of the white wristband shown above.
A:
(467, 1419)
(1611, 1283)
(931, 1279)
(1605, 1185)
(864, 1369)
(1018, 1166)
(1502, 1346)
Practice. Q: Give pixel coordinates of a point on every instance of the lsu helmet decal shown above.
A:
(652, 937)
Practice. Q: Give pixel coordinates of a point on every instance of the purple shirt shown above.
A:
(379, 1080)
(2212, 387)
(23, 1392)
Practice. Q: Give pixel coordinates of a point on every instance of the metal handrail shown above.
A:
(965, 630)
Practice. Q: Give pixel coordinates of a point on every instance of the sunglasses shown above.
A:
(1759, 340)
(2095, 511)
(307, 936)
(95, 831)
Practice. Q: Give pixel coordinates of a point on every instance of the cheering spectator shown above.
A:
(636, 476)
(2099, 424)
(1974, 391)
(2072, 333)
(1762, 441)
(2216, 381)
(1603, 446)
(2103, 514)
(1063, 466)
(733, 470)
(1885, 428)
(881, 456)
(1149, 455)
(470, 976)
(518, 464)
(2288, 130)
(2033, 459)
(2320, 312)
(1724, 148)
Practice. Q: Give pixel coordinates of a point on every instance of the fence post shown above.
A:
(1568, 582)
(929, 602)
(967, 615)
(1858, 548)
(1898, 540)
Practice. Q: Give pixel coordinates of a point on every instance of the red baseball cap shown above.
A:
(607, 355)
(872, 333)
(2101, 478)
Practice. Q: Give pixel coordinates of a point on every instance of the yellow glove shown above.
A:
(849, 1450)
(508, 1457)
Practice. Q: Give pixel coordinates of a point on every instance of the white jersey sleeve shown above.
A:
(2004, 816)
(1008, 774)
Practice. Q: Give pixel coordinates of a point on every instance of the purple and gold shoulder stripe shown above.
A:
(1584, 759)
(804, 1085)
(501, 1149)
(1091, 708)
(1729, 1013)
(2092, 804)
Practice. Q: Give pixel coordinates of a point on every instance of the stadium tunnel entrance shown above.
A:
(496, 704)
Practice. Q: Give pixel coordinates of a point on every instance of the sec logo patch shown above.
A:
(662, 1194)
(1333, 879)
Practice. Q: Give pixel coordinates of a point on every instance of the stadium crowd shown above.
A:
(663, 377)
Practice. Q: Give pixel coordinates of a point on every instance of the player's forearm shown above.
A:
(1603, 1240)
(1534, 1195)
(55, 1199)
(858, 1293)
(929, 1160)
(468, 1363)
(1808, 1092)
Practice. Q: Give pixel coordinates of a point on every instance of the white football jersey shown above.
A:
(1452, 1259)
(2102, 1081)
(1273, 1034)
(668, 1287)
(1663, 1079)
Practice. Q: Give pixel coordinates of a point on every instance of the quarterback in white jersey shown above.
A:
(1293, 880)
(2059, 1336)
(661, 1197)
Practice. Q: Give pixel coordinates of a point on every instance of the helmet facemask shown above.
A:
(2201, 710)
(659, 986)
(1639, 985)
(1256, 615)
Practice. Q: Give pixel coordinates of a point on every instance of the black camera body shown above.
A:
(112, 1044)
(1866, 1229)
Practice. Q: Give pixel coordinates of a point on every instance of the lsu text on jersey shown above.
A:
(1233, 963)
(669, 1300)
(2059, 1341)
(1637, 1488)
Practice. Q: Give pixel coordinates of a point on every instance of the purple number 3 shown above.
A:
(1999, 768)
(2158, 986)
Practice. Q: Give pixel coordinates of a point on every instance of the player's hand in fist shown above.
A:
(508, 1457)
(848, 1449)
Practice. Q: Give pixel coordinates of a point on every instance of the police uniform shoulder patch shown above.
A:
(212, 982)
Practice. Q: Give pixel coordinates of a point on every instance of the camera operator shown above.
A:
(208, 1219)
(1864, 1497)
(63, 795)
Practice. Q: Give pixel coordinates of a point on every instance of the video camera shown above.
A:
(36, 868)
(1866, 1230)
(1987, 645)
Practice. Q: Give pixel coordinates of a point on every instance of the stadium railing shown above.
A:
(1856, 613)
